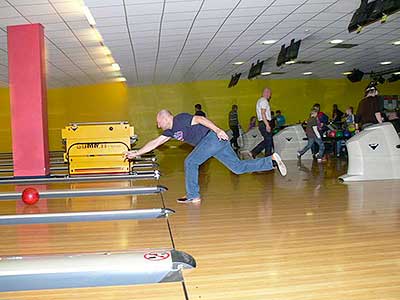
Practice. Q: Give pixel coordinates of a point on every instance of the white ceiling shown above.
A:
(166, 41)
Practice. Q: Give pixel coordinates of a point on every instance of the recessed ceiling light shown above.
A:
(396, 73)
(290, 62)
(106, 50)
(336, 41)
(89, 16)
(386, 63)
(120, 79)
(238, 63)
(266, 73)
(98, 35)
(339, 62)
(396, 43)
(116, 67)
(307, 73)
(268, 42)
(347, 73)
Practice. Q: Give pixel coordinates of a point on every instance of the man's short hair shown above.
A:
(164, 112)
(278, 111)
(198, 106)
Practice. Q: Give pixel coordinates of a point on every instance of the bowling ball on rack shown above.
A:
(339, 134)
(351, 128)
(347, 134)
(332, 133)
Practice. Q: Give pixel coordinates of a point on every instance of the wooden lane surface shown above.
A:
(255, 236)
(158, 292)
(261, 236)
(88, 237)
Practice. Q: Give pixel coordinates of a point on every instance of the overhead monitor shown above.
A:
(234, 80)
(255, 69)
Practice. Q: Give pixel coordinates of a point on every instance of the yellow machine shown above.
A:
(95, 148)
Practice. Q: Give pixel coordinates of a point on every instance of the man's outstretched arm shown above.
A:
(153, 144)
(207, 123)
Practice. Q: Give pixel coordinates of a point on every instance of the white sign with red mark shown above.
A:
(157, 256)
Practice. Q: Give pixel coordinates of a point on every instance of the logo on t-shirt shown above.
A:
(179, 136)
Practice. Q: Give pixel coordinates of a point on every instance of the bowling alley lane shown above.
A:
(305, 236)
(170, 291)
(76, 237)
(84, 237)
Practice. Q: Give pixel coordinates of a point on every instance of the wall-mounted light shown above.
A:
(89, 16)
(116, 67)
(106, 50)
(98, 35)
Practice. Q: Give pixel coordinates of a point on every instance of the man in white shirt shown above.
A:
(264, 117)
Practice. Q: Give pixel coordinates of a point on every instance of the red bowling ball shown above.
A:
(30, 196)
(332, 134)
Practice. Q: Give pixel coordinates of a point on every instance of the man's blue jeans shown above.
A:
(339, 145)
(310, 143)
(266, 144)
(211, 146)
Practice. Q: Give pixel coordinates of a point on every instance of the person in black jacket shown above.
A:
(198, 111)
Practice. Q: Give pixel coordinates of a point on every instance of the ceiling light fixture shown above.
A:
(396, 73)
(238, 63)
(106, 50)
(339, 62)
(121, 79)
(98, 35)
(347, 73)
(307, 73)
(268, 42)
(386, 63)
(290, 62)
(116, 67)
(396, 43)
(266, 73)
(336, 41)
(89, 16)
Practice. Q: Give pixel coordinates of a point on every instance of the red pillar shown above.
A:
(27, 82)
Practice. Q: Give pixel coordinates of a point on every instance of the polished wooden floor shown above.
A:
(254, 236)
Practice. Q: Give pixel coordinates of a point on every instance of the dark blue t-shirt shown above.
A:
(183, 131)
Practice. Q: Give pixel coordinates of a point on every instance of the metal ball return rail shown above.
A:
(65, 178)
(89, 192)
(88, 216)
(22, 273)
